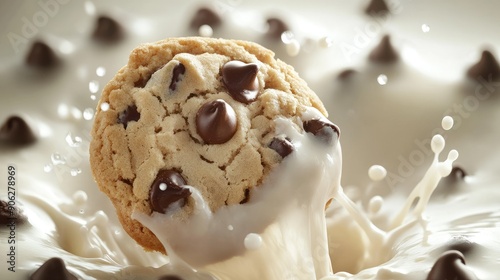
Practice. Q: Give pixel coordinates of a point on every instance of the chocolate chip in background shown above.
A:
(462, 244)
(457, 173)
(384, 52)
(324, 130)
(177, 74)
(15, 131)
(9, 213)
(216, 122)
(41, 55)
(167, 188)
(376, 8)
(275, 27)
(170, 277)
(283, 146)
(130, 114)
(451, 265)
(486, 68)
(205, 16)
(346, 74)
(107, 30)
(53, 269)
(241, 81)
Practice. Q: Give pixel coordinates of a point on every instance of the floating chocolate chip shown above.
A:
(216, 122)
(282, 146)
(450, 265)
(324, 130)
(487, 68)
(107, 30)
(241, 80)
(276, 27)
(52, 269)
(205, 16)
(11, 213)
(457, 172)
(166, 189)
(170, 277)
(384, 52)
(129, 115)
(41, 55)
(346, 74)
(376, 7)
(461, 244)
(16, 131)
(177, 74)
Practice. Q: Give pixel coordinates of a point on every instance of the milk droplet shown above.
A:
(76, 113)
(93, 97)
(287, 37)
(75, 171)
(88, 114)
(293, 48)
(100, 71)
(63, 110)
(94, 86)
(382, 79)
(73, 142)
(163, 186)
(326, 42)
(80, 197)
(57, 159)
(437, 143)
(453, 155)
(375, 204)
(426, 28)
(230, 227)
(253, 241)
(48, 168)
(377, 172)
(447, 123)
(104, 106)
(206, 30)
(89, 7)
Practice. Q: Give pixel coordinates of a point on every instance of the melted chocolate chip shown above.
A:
(41, 55)
(216, 122)
(457, 172)
(324, 130)
(384, 52)
(241, 80)
(376, 7)
(205, 16)
(15, 131)
(177, 74)
(276, 27)
(52, 269)
(487, 68)
(346, 74)
(450, 265)
(107, 30)
(461, 244)
(10, 213)
(170, 277)
(167, 189)
(282, 146)
(129, 115)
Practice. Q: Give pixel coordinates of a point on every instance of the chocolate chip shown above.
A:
(461, 244)
(346, 74)
(275, 27)
(377, 7)
(167, 189)
(52, 269)
(205, 16)
(384, 52)
(451, 265)
(241, 80)
(129, 115)
(487, 68)
(282, 146)
(170, 277)
(11, 213)
(216, 122)
(41, 56)
(107, 30)
(324, 130)
(16, 131)
(457, 172)
(177, 74)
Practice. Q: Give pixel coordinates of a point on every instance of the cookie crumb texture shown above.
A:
(197, 112)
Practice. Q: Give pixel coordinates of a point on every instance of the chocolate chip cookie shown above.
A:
(195, 112)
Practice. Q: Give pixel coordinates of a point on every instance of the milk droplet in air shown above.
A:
(377, 172)
(253, 241)
(447, 123)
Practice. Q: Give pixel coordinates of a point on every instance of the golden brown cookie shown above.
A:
(197, 112)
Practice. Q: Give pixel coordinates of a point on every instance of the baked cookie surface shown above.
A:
(198, 112)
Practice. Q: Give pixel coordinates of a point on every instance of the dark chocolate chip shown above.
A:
(170, 277)
(241, 80)
(107, 30)
(41, 55)
(129, 115)
(216, 122)
(53, 269)
(324, 130)
(487, 68)
(451, 265)
(275, 27)
(384, 52)
(376, 7)
(205, 16)
(346, 74)
(16, 131)
(457, 172)
(177, 74)
(282, 146)
(11, 214)
(461, 244)
(160, 197)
